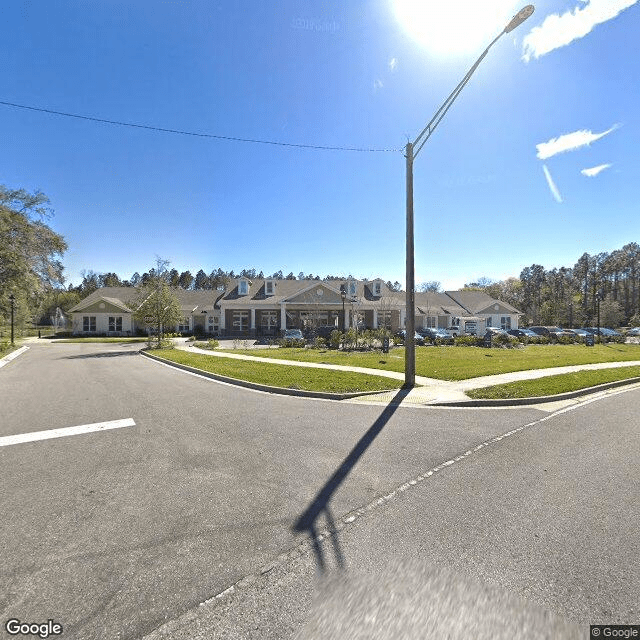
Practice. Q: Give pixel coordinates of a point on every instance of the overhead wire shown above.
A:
(194, 133)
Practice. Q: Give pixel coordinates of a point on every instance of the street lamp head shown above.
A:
(519, 18)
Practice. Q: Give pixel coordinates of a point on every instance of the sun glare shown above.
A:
(454, 27)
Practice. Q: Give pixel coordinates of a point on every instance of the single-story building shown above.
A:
(266, 307)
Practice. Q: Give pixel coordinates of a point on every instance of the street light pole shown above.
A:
(412, 149)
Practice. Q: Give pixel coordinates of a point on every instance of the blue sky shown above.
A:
(517, 173)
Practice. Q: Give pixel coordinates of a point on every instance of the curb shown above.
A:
(12, 355)
(263, 387)
(506, 402)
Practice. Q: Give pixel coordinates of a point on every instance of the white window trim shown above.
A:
(269, 287)
(243, 288)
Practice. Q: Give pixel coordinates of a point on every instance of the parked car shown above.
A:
(522, 333)
(439, 335)
(634, 332)
(553, 333)
(418, 339)
(496, 331)
(293, 334)
(579, 332)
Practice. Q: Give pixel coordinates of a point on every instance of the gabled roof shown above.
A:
(478, 302)
(434, 303)
(123, 297)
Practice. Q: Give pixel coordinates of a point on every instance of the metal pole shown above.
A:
(599, 336)
(409, 342)
(12, 298)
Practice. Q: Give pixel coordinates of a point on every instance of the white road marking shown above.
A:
(67, 431)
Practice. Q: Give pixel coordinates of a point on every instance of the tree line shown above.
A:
(31, 269)
(572, 296)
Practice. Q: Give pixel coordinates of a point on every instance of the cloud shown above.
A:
(594, 171)
(570, 142)
(393, 63)
(552, 185)
(560, 30)
(377, 84)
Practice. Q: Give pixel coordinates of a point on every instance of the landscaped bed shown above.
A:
(461, 363)
(105, 339)
(553, 385)
(276, 375)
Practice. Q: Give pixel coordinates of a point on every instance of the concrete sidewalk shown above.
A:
(431, 390)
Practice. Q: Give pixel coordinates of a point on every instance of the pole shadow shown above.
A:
(308, 521)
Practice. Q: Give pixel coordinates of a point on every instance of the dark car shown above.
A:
(418, 339)
(437, 335)
(553, 333)
(522, 333)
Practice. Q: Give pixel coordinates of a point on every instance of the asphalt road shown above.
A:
(114, 533)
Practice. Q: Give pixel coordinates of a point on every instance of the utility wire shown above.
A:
(192, 133)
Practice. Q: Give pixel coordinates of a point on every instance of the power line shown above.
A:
(192, 133)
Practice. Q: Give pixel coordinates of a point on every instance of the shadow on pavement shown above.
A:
(102, 354)
(308, 521)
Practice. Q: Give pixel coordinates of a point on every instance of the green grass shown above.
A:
(276, 375)
(6, 348)
(461, 363)
(553, 385)
(66, 340)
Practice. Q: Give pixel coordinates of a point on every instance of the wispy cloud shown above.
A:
(393, 63)
(570, 142)
(560, 30)
(377, 84)
(552, 185)
(594, 171)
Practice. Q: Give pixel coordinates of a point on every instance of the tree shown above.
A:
(432, 285)
(30, 252)
(202, 281)
(156, 302)
(185, 280)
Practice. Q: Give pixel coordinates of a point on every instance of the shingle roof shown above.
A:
(477, 301)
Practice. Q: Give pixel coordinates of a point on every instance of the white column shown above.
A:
(253, 319)
(283, 317)
(403, 317)
(375, 318)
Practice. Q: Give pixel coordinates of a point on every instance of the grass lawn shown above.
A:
(6, 348)
(461, 363)
(102, 340)
(552, 385)
(277, 375)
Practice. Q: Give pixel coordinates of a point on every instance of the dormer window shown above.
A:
(351, 288)
(243, 288)
(376, 289)
(269, 287)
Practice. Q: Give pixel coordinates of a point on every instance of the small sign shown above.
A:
(589, 339)
(385, 345)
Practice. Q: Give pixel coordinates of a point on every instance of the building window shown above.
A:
(269, 320)
(384, 319)
(268, 288)
(88, 323)
(376, 288)
(351, 290)
(115, 323)
(240, 321)
(431, 322)
(243, 288)
(505, 322)
(183, 325)
(214, 324)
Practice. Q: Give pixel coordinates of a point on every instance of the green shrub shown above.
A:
(335, 339)
(319, 343)
(350, 338)
(467, 341)
(291, 343)
(506, 341)
(213, 344)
